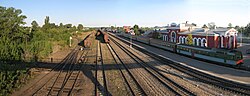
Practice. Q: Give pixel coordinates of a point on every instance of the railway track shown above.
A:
(130, 81)
(34, 88)
(101, 82)
(168, 83)
(62, 77)
(56, 85)
(220, 83)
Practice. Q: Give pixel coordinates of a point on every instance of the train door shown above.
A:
(192, 53)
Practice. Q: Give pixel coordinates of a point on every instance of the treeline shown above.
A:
(20, 44)
(244, 30)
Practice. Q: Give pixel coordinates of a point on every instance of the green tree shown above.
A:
(46, 25)
(74, 27)
(46, 21)
(155, 35)
(236, 27)
(230, 25)
(190, 39)
(52, 25)
(136, 29)
(204, 26)
(12, 34)
(211, 25)
(112, 27)
(68, 25)
(34, 25)
(61, 25)
(80, 27)
(246, 31)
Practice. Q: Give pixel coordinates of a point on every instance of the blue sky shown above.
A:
(130, 12)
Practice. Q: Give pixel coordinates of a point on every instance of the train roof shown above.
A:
(195, 47)
(209, 49)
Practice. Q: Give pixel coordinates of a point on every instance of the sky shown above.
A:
(146, 13)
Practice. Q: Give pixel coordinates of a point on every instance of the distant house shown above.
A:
(212, 38)
(126, 29)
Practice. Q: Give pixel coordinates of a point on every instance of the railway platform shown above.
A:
(231, 74)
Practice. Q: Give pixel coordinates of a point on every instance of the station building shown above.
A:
(126, 28)
(213, 38)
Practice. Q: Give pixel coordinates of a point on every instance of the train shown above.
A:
(102, 36)
(222, 56)
(87, 41)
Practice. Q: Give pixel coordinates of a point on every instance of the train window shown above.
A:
(220, 55)
(234, 58)
(238, 56)
(230, 57)
(211, 54)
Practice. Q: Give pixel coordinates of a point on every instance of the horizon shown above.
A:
(145, 13)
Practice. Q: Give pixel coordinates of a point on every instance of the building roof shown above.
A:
(204, 32)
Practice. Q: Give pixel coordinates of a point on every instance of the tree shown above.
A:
(190, 39)
(74, 27)
(80, 27)
(230, 25)
(211, 25)
(46, 21)
(12, 34)
(204, 26)
(136, 29)
(236, 27)
(112, 27)
(61, 25)
(68, 25)
(155, 35)
(247, 30)
(34, 25)
(194, 24)
(46, 25)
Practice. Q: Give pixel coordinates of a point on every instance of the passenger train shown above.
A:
(225, 56)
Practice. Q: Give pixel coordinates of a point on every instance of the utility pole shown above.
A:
(206, 39)
(130, 41)
(70, 38)
(241, 37)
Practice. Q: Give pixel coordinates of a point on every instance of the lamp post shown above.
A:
(241, 37)
(70, 38)
(130, 40)
(206, 39)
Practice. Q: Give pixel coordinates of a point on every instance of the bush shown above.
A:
(11, 77)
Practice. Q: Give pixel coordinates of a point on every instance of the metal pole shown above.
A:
(241, 37)
(206, 39)
(130, 41)
(70, 38)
